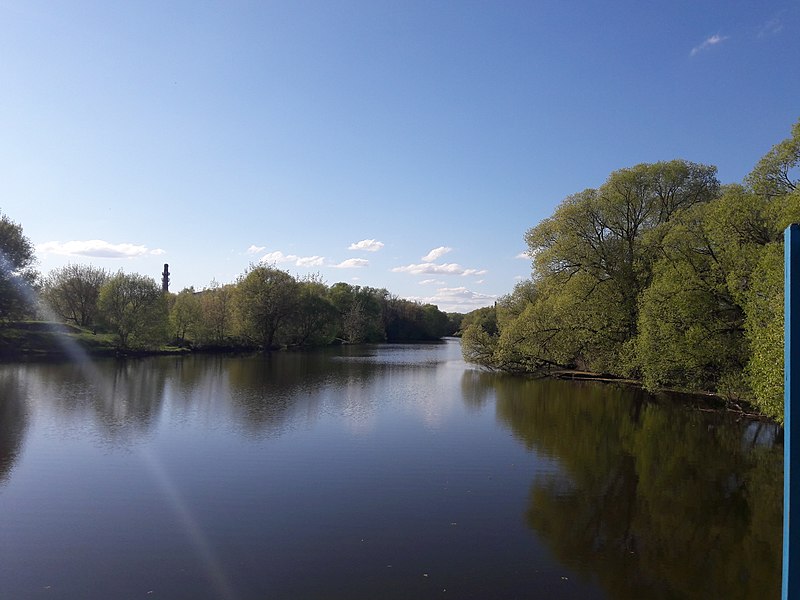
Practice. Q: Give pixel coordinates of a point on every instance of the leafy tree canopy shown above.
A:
(17, 273)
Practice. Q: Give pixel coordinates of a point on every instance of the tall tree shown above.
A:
(17, 274)
(776, 179)
(72, 292)
(314, 320)
(265, 300)
(185, 314)
(360, 312)
(691, 320)
(592, 260)
(134, 307)
(217, 313)
(609, 234)
(712, 318)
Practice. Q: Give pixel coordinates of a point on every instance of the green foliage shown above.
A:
(266, 307)
(17, 274)
(479, 346)
(691, 328)
(659, 274)
(454, 321)
(265, 300)
(479, 336)
(134, 307)
(185, 315)
(405, 320)
(776, 174)
(765, 331)
(485, 318)
(314, 320)
(592, 260)
(573, 323)
(72, 292)
(216, 314)
(360, 312)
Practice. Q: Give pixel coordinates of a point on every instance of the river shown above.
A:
(389, 471)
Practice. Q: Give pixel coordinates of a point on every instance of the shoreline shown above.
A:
(49, 342)
(712, 402)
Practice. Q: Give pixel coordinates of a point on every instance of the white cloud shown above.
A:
(457, 299)
(436, 253)
(97, 249)
(310, 261)
(253, 249)
(474, 272)
(438, 269)
(431, 281)
(279, 257)
(368, 245)
(712, 41)
(274, 257)
(523, 255)
(352, 263)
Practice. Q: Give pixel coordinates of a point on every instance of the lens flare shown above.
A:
(78, 355)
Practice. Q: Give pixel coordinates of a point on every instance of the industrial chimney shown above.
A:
(165, 279)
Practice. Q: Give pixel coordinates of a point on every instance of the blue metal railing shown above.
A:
(791, 390)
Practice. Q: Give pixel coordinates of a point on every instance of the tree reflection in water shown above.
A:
(13, 419)
(651, 500)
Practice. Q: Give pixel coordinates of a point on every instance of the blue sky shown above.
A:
(406, 145)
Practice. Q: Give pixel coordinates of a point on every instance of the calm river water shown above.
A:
(375, 472)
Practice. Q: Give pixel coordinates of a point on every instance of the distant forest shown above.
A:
(266, 308)
(660, 274)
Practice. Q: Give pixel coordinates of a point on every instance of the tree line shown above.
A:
(660, 274)
(265, 308)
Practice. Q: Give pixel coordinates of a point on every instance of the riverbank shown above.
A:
(33, 340)
(45, 340)
(697, 400)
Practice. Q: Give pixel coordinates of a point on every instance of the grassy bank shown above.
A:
(47, 340)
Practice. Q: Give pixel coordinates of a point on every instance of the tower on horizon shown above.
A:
(165, 279)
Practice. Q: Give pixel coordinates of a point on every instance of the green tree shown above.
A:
(775, 179)
(360, 312)
(185, 315)
(776, 173)
(72, 292)
(313, 323)
(133, 306)
(610, 236)
(266, 299)
(592, 260)
(454, 321)
(712, 318)
(479, 336)
(764, 326)
(435, 323)
(216, 314)
(17, 275)
(485, 318)
(691, 321)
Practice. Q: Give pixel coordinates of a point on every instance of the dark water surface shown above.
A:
(379, 472)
